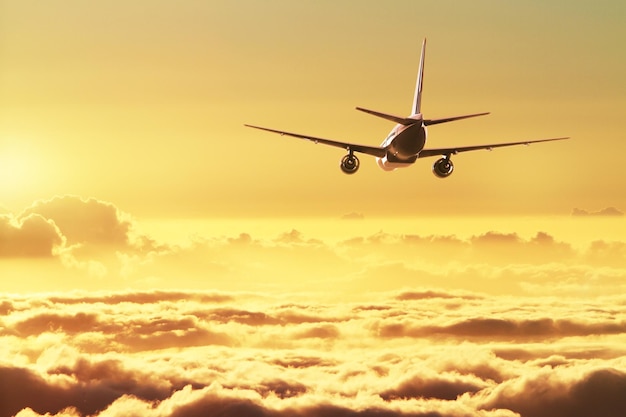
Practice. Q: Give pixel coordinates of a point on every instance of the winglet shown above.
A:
(417, 98)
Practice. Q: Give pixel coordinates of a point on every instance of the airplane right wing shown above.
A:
(453, 151)
(430, 122)
(368, 150)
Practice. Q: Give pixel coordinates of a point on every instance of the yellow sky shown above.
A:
(159, 259)
(143, 103)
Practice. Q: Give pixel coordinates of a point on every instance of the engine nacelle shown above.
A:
(443, 167)
(349, 164)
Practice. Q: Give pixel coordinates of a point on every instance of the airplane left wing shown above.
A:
(453, 151)
(369, 150)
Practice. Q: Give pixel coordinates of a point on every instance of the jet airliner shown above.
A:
(406, 142)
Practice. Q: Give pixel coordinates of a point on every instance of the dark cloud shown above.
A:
(142, 297)
(278, 387)
(31, 236)
(242, 239)
(302, 362)
(238, 407)
(250, 318)
(21, 388)
(353, 216)
(504, 329)
(598, 393)
(133, 334)
(320, 332)
(6, 307)
(440, 387)
(283, 317)
(58, 322)
(176, 338)
(608, 211)
(428, 294)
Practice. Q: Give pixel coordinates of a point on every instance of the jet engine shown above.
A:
(443, 167)
(349, 163)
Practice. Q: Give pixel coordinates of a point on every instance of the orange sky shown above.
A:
(143, 104)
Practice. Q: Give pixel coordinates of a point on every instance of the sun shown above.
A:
(17, 168)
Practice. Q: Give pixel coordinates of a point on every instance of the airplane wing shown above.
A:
(453, 151)
(369, 150)
(430, 122)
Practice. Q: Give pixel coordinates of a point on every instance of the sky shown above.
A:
(160, 259)
(143, 104)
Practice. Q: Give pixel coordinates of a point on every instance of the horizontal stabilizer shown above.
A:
(430, 122)
(400, 120)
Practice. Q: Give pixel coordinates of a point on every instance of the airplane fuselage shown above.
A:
(403, 145)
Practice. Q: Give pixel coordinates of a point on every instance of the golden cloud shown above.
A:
(30, 236)
(161, 353)
(96, 239)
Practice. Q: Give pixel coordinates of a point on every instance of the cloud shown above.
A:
(598, 392)
(603, 253)
(90, 224)
(97, 246)
(84, 220)
(415, 352)
(379, 325)
(353, 216)
(31, 236)
(428, 294)
(85, 235)
(444, 386)
(608, 211)
(143, 297)
(504, 329)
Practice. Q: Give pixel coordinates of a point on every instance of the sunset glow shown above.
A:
(159, 259)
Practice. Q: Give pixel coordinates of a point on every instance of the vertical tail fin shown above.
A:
(417, 99)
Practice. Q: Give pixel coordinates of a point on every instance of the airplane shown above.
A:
(405, 143)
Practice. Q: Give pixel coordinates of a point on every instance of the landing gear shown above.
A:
(443, 167)
(349, 163)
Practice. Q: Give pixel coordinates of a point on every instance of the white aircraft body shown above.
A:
(405, 143)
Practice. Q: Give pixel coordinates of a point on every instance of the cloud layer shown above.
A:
(385, 324)
(420, 353)
(91, 244)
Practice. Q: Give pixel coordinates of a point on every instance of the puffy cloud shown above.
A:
(442, 386)
(84, 235)
(549, 393)
(411, 326)
(161, 353)
(84, 220)
(30, 236)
